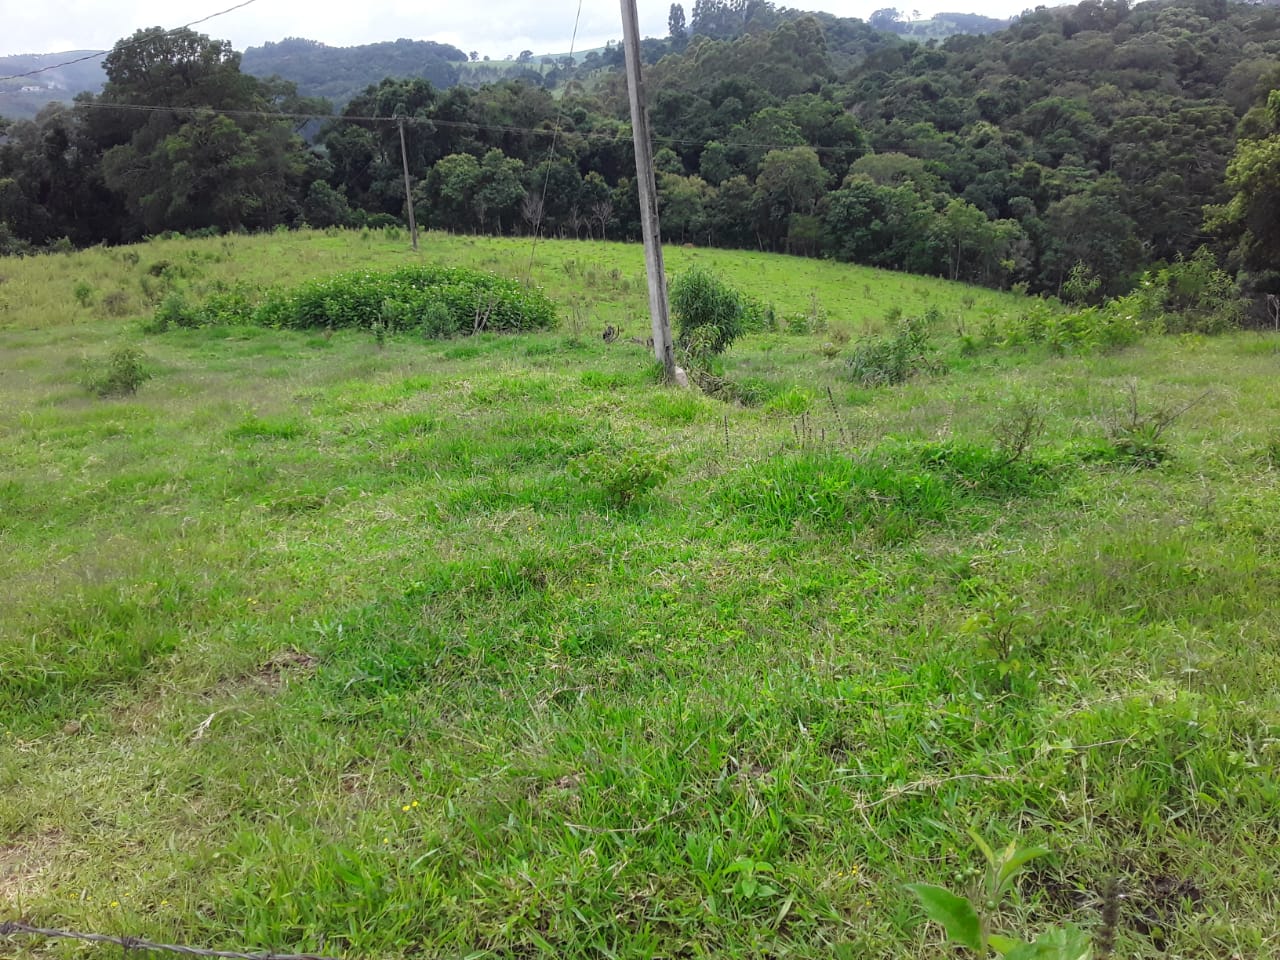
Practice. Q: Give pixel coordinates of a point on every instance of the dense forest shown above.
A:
(1095, 138)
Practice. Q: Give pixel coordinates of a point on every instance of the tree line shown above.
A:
(1096, 137)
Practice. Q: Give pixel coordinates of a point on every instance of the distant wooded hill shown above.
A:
(938, 27)
(23, 98)
(340, 73)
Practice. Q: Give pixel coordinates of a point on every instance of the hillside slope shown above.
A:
(347, 644)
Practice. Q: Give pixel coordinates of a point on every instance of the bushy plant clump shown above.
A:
(1190, 295)
(622, 476)
(884, 361)
(434, 300)
(438, 301)
(120, 374)
(709, 313)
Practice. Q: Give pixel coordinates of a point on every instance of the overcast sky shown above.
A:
(493, 27)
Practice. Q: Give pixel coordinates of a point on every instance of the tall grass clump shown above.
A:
(437, 301)
(896, 489)
(884, 361)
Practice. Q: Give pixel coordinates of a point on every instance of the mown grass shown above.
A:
(316, 642)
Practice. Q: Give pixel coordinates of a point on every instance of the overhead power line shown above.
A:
(125, 45)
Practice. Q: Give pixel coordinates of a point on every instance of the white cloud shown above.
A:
(497, 28)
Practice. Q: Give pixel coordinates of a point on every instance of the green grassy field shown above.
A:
(316, 643)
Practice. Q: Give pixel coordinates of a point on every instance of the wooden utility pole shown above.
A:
(408, 196)
(658, 308)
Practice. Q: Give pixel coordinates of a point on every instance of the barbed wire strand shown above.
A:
(551, 153)
(126, 44)
(12, 928)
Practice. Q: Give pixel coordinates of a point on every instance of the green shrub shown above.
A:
(12, 245)
(709, 314)
(119, 374)
(888, 360)
(1082, 285)
(115, 304)
(377, 221)
(172, 312)
(1115, 324)
(224, 308)
(435, 320)
(1191, 295)
(439, 301)
(622, 476)
(83, 293)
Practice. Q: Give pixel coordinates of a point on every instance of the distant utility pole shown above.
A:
(408, 196)
(658, 308)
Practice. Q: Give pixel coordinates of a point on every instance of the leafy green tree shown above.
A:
(666, 160)
(561, 184)
(886, 18)
(825, 124)
(897, 169)
(51, 182)
(791, 181)
(450, 192)
(677, 30)
(1093, 230)
(855, 221)
(683, 205)
(190, 164)
(770, 128)
(210, 172)
(730, 216)
(594, 193)
(324, 206)
(1251, 218)
(714, 164)
(968, 236)
(366, 153)
(884, 226)
(499, 191)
